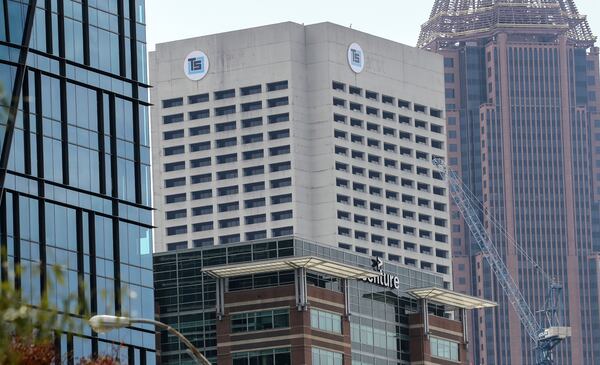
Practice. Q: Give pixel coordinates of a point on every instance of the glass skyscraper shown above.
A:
(77, 185)
(522, 104)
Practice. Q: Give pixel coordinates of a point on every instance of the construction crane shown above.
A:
(546, 337)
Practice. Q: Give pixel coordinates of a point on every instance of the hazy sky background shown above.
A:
(398, 20)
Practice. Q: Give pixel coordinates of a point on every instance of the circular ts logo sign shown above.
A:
(196, 65)
(356, 58)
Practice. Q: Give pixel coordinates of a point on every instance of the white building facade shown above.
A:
(319, 131)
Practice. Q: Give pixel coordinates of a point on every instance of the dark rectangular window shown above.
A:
(200, 162)
(278, 118)
(175, 166)
(252, 122)
(228, 223)
(225, 110)
(254, 203)
(227, 126)
(254, 219)
(229, 174)
(203, 242)
(197, 179)
(226, 142)
(224, 94)
(386, 99)
(254, 170)
(198, 131)
(280, 183)
(283, 133)
(281, 199)
(175, 198)
(278, 216)
(448, 62)
(172, 183)
(200, 146)
(281, 166)
(201, 194)
(207, 209)
(229, 207)
(272, 103)
(199, 98)
(173, 134)
(257, 186)
(232, 238)
(254, 105)
(355, 90)
(256, 235)
(199, 114)
(278, 85)
(172, 231)
(228, 190)
(232, 157)
(249, 90)
(252, 138)
(204, 226)
(338, 86)
(283, 231)
(174, 246)
(170, 103)
(176, 214)
(281, 150)
(371, 95)
(250, 155)
(173, 118)
(175, 150)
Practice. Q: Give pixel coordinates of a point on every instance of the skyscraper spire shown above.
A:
(452, 20)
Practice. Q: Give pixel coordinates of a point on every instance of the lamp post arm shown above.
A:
(197, 354)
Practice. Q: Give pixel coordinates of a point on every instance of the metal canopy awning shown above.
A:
(312, 263)
(450, 297)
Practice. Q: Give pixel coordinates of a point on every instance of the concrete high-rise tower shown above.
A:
(522, 98)
(319, 131)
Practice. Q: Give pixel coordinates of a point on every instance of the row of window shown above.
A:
(390, 179)
(229, 109)
(388, 131)
(231, 238)
(246, 139)
(229, 223)
(390, 147)
(385, 99)
(392, 226)
(228, 190)
(247, 155)
(225, 94)
(230, 207)
(224, 159)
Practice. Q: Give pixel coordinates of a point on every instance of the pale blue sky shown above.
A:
(398, 20)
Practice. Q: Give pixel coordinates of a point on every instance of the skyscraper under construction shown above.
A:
(522, 98)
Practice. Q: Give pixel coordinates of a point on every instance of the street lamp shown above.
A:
(102, 323)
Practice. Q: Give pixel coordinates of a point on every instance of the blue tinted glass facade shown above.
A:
(77, 189)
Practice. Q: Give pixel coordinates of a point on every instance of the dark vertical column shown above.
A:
(16, 93)
(17, 239)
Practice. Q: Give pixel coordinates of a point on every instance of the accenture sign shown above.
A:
(385, 280)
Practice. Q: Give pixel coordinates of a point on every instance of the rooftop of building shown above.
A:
(456, 20)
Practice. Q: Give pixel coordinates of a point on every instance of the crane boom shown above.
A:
(545, 339)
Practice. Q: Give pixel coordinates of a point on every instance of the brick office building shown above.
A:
(290, 301)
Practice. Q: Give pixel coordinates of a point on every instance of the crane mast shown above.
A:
(545, 338)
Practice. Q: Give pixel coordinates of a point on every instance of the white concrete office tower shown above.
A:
(320, 131)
